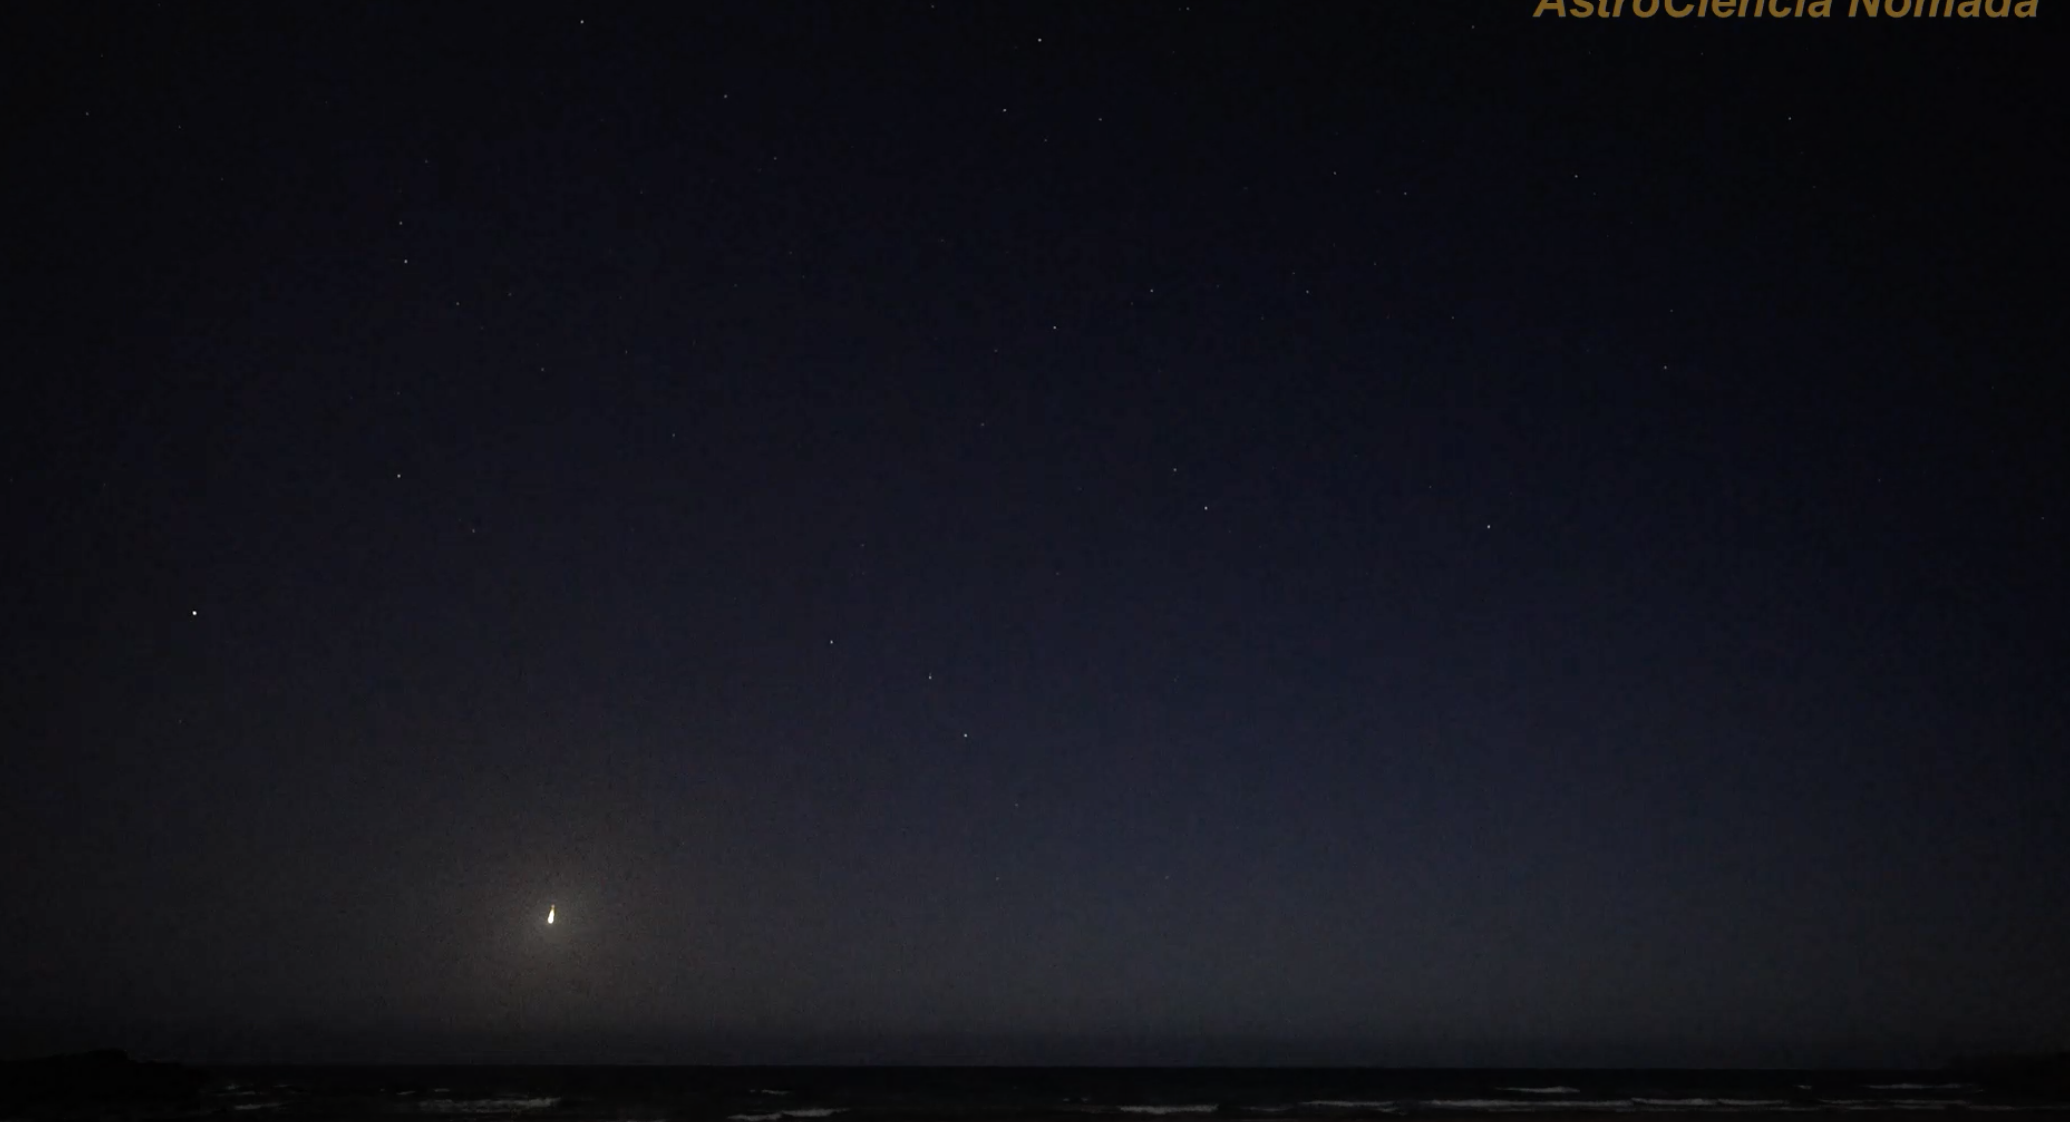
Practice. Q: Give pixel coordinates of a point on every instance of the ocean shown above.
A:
(878, 1094)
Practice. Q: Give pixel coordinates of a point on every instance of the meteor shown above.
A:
(549, 913)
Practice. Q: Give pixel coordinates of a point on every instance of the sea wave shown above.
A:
(483, 1106)
(1527, 1105)
(1556, 1103)
(1613, 1106)
(801, 1112)
(1705, 1104)
(1897, 1104)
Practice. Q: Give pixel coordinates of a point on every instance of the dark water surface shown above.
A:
(783, 1094)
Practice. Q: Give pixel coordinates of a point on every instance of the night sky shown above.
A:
(1149, 532)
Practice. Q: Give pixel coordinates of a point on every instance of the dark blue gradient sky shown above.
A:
(1185, 532)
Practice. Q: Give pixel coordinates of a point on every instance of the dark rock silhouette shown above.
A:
(99, 1081)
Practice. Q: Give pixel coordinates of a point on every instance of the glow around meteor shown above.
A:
(549, 914)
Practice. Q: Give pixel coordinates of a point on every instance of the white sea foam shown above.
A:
(483, 1106)
(1896, 1104)
(767, 1091)
(257, 1106)
(1526, 1104)
(1544, 1090)
(1701, 1104)
(801, 1112)
(1614, 1106)
(1190, 1108)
